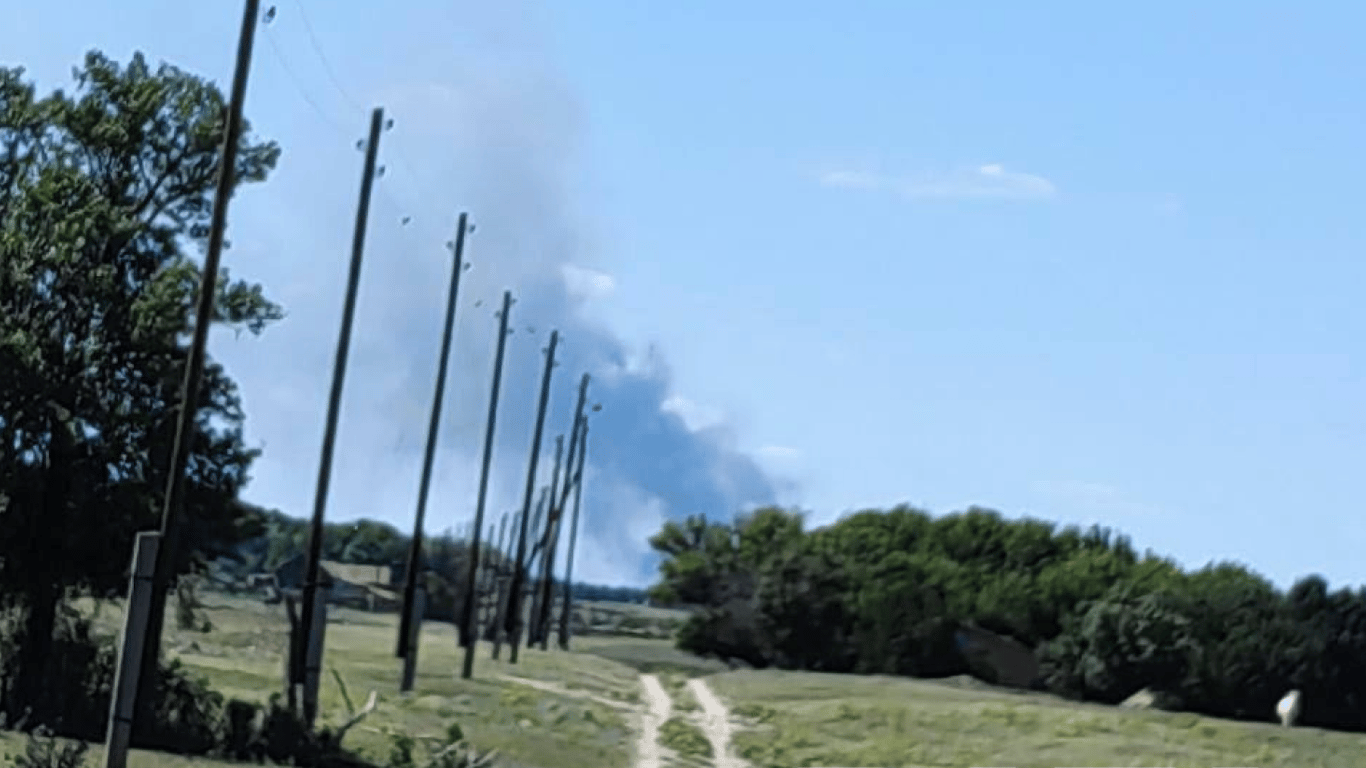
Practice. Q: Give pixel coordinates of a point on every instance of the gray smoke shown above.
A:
(498, 137)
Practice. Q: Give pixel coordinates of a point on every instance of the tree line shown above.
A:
(887, 591)
(373, 542)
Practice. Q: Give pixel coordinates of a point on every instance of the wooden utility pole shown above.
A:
(567, 604)
(489, 584)
(169, 544)
(540, 608)
(498, 600)
(513, 619)
(433, 428)
(303, 673)
(467, 617)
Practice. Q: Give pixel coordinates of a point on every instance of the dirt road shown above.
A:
(658, 708)
(716, 724)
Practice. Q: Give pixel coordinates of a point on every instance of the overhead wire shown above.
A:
(418, 179)
(403, 208)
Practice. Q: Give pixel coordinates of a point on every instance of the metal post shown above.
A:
(467, 612)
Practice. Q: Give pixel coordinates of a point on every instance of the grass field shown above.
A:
(585, 720)
(808, 719)
(581, 708)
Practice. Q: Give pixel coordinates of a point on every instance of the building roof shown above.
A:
(379, 575)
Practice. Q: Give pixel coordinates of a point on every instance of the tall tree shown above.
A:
(105, 192)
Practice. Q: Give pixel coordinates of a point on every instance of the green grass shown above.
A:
(648, 656)
(243, 657)
(684, 738)
(677, 686)
(802, 719)
(561, 709)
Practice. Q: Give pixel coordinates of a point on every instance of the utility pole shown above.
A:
(502, 575)
(541, 541)
(578, 439)
(552, 525)
(567, 604)
(490, 579)
(433, 428)
(500, 593)
(514, 615)
(312, 564)
(467, 612)
(173, 501)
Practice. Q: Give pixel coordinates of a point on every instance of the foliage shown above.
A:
(44, 750)
(889, 591)
(1125, 641)
(188, 719)
(104, 190)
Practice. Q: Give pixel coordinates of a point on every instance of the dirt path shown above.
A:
(556, 688)
(658, 708)
(715, 724)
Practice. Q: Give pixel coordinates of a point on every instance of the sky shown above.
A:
(1071, 261)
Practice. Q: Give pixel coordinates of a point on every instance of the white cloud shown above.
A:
(696, 417)
(989, 181)
(587, 284)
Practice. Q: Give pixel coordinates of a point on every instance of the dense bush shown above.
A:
(76, 704)
(887, 592)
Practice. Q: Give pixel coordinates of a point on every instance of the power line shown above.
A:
(345, 94)
(298, 84)
(405, 207)
(322, 57)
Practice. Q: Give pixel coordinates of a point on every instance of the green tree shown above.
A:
(103, 193)
(1121, 643)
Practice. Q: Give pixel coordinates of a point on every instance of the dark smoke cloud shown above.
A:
(497, 137)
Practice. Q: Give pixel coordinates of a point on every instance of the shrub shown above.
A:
(189, 719)
(44, 750)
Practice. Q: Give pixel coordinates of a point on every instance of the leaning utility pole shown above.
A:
(539, 609)
(513, 618)
(168, 550)
(567, 604)
(407, 618)
(500, 598)
(489, 584)
(577, 447)
(536, 623)
(467, 610)
(307, 673)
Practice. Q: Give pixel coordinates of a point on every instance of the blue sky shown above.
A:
(1077, 262)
